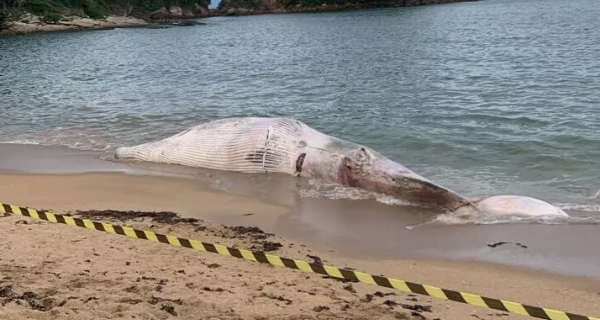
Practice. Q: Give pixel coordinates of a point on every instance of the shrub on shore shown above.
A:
(52, 17)
(95, 9)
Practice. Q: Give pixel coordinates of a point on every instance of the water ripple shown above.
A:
(497, 96)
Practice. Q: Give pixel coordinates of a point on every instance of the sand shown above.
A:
(360, 229)
(50, 271)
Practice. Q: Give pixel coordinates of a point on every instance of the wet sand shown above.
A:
(82, 274)
(355, 228)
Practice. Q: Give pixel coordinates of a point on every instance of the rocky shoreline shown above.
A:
(33, 24)
(176, 16)
(225, 11)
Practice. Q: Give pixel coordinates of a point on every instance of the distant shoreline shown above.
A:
(332, 7)
(21, 27)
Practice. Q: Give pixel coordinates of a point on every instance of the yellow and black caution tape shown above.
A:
(351, 275)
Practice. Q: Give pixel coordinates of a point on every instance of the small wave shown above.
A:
(82, 146)
(579, 207)
(486, 118)
(451, 219)
(454, 219)
(318, 189)
(389, 200)
(23, 141)
(86, 140)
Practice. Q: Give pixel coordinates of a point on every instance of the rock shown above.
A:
(185, 23)
(201, 12)
(238, 12)
(178, 13)
(29, 18)
(125, 21)
(82, 23)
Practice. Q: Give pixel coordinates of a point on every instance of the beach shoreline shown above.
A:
(84, 264)
(34, 24)
(356, 228)
(121, 187)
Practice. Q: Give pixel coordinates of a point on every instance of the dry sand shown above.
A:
(50, 271)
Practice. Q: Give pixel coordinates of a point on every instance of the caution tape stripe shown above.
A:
(332, 271)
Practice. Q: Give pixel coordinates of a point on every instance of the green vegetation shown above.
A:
(53, 10)
(52, 17)
(245, 4)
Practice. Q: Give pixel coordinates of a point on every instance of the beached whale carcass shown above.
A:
(282, 145)
(509, 205)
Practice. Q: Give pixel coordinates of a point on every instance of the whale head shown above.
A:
(367, 169)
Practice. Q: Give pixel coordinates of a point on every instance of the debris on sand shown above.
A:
(267, 246)
(493, 245)
(315, 260)
(252, 232)
(380, 294)
(320, 308)
(165, 217)
(349, 288)
(169, 309)
(279, 298)
(417, 307)
(35, 301)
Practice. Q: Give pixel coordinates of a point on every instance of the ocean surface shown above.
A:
(490, 97)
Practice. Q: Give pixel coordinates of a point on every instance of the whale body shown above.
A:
(288, 146)
(282, 145)
(510, 205)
